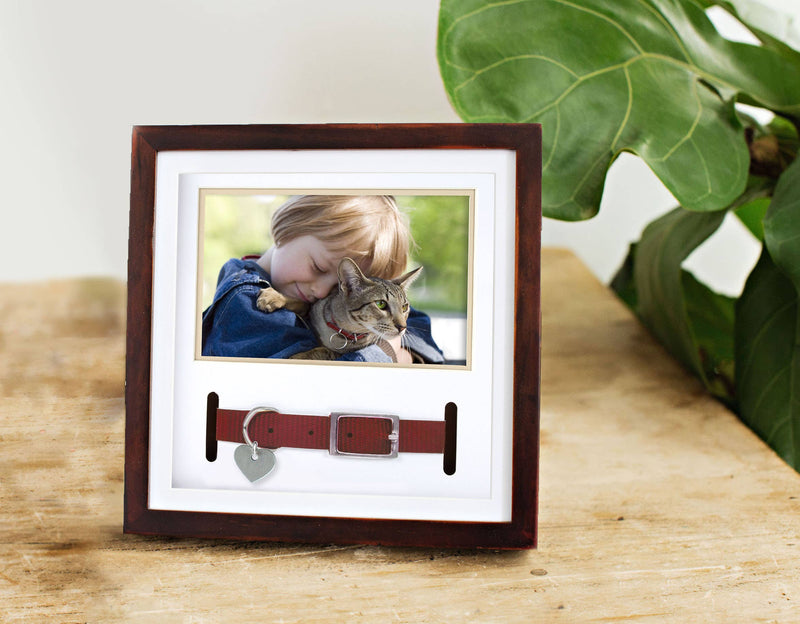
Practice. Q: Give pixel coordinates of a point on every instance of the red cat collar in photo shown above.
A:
(346, 336)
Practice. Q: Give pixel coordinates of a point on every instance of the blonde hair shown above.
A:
(368, 228)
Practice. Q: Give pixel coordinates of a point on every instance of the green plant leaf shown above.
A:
(694, 323)
(751, 214)
(767, 361)
(651, 77)
(768, 327)
(711, 321)
(751, 206)
(782, 224)
(623, 283)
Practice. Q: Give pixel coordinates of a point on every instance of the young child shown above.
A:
(312, 233)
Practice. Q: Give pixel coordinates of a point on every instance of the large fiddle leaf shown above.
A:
(651, 77)
(711, 319)
(693, 322)
(768, 327)
(782, 224)
(767, 360)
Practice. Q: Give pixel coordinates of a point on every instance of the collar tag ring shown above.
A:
(254, 462)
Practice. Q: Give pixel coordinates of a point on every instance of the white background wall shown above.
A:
(76, 76)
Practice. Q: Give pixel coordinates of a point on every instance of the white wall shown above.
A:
(76, 76)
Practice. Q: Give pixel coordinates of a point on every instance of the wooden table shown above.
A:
(656, 504)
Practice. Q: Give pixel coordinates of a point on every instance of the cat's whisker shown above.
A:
(419, 330)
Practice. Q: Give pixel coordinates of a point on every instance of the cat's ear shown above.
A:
(351, 279)
(406, 280)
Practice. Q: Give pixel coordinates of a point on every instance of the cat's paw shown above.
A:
(270, 300)
(317, 353)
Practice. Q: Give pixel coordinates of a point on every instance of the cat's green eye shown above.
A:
(381, 304)
(405, 307)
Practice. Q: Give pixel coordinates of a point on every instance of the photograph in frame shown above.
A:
(359, 447)
(235, 231)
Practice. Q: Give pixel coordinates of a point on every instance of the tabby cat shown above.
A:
(361, 311)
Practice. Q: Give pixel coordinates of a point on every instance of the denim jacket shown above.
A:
(234, 327)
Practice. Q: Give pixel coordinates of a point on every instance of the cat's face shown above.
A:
(379, 306)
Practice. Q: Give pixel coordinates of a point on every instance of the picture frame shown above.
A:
(455, 457)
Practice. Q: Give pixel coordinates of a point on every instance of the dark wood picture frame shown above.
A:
(525, 141)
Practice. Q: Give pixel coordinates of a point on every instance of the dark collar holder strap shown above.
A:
(361, 435)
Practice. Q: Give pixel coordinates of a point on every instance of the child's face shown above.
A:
(304, 268)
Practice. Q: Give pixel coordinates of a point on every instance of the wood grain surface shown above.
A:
(656, 504)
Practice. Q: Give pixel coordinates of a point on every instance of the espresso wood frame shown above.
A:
(521, 531)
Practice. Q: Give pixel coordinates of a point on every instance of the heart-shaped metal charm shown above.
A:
(254, 463)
